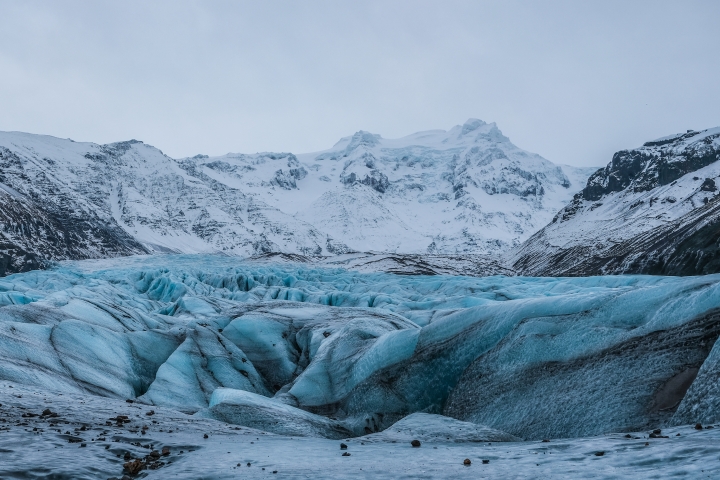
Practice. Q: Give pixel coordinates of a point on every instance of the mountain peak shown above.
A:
(471, 125)
(363, 138)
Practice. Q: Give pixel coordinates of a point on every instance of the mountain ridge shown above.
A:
(654, 210)
(467, 190)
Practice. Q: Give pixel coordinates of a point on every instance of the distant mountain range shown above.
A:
(463, 201)
(468, 190)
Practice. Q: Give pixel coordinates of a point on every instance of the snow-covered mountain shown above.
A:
(140, 199)
(43, 215)
(466, 190)
(654, 209)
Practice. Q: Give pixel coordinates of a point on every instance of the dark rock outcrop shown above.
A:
(658, 215)
(652, 165)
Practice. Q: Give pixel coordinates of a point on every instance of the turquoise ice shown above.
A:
(533, 357)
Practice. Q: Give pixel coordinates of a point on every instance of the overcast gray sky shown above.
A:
(571, 80)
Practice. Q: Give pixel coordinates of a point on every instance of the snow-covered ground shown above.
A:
(40, 447)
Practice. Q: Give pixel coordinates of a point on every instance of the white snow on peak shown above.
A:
(468, 189)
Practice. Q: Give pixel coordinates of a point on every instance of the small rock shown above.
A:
(708, 185)
(130, 401)
(657, 431)
(545, 440)
(205, 435)
(343, 446)
(698, 426)
(346, 454)
(249, 464)
(274, 471)
(709, 427)
(415, 443)
(485, 462)
(467, 462)
(628, 436)
(83, 445)
(599, 454)
(151, 412)
(134, 467)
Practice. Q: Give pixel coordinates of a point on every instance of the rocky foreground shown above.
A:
(73, 436)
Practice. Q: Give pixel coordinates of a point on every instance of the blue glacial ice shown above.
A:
(348, 353)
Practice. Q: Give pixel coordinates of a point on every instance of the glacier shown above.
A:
(354, 352)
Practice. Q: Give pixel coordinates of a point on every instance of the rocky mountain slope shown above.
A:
(67, 200)
(653, 210)
(42, 218)
(467, 190)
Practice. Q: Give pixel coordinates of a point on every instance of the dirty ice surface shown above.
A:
(79, 444)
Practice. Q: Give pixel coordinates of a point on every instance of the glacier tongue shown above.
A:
(338, 349)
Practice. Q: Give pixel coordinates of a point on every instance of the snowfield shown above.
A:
(314, 356)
